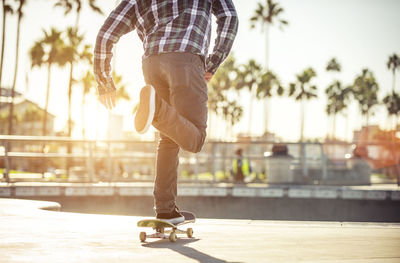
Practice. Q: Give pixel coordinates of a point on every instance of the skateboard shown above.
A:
(160, 227)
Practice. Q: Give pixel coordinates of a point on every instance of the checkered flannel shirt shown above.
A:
(166, 26)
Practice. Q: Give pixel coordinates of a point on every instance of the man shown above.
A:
(240, 167)
(176, 38)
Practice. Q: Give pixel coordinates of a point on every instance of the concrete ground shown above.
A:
(29, 234)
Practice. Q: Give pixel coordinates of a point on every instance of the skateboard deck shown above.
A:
(160, 227)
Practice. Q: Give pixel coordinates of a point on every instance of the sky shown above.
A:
(358, 33)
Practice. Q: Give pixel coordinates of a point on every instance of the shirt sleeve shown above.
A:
(121, 21)
(227, 26)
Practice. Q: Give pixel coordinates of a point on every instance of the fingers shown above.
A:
(108, 104)
(208, 76)
(108, 100)
(113, 99)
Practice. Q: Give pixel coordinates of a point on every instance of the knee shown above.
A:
(195, 149)
(198, 146)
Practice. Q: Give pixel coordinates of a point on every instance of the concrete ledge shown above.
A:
(146, 189)
(255, 201)
(26, 207)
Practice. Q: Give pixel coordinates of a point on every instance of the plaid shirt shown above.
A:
(166, 26)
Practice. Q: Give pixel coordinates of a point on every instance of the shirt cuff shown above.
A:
(211, 67)
(213, 62)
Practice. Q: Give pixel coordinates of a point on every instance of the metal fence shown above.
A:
(60, 159)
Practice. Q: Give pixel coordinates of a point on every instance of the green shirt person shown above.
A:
(240, 167)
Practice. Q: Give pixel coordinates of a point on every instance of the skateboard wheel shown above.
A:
(172, 237)
(142, 236)
(189, 232)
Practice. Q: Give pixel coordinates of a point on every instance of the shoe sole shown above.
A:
(146, 109)
(174, 221)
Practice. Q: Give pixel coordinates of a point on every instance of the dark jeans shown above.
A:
(181, 116)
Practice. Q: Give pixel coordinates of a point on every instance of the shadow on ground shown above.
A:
(180, 247)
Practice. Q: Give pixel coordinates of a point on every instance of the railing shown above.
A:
(66, 159)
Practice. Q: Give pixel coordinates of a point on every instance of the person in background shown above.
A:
(360, 169)
(240, 167)
(278, 165)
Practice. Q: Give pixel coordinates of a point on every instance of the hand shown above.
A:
(208, 76)
(108, 100)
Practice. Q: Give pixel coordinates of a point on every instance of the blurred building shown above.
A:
(367, 133)
(28, 115)
(382, 149)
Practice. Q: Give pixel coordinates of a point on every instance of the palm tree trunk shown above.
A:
(266, 114)
(328, 128)
(47, 99)
(10, 122)
(267, 46)
(69, 148)
(69, 100)
(266, 102)
(78, 15)
(97, 119)
(302, 110)
(3, 42)
(83, 114)
(88, 160)
(250, 111)
(347, 127)
(334, 126)
(394, 80)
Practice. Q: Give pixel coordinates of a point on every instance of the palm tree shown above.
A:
(75, 40)
(224, 79)
(249, 77)
(76, 5)
(365, 91)
(269, 84)
(223, 82)
(267, 15)
(393, 64)
(88, 83)
(333, 91)
(232, 113)
(302, 90)
(392, 101)
(20, 14)
(47, 51)
(338, 100)
(73, 52)
(6, 9)
(333, 66)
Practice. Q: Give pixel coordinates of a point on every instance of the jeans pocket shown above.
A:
(198, 63)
